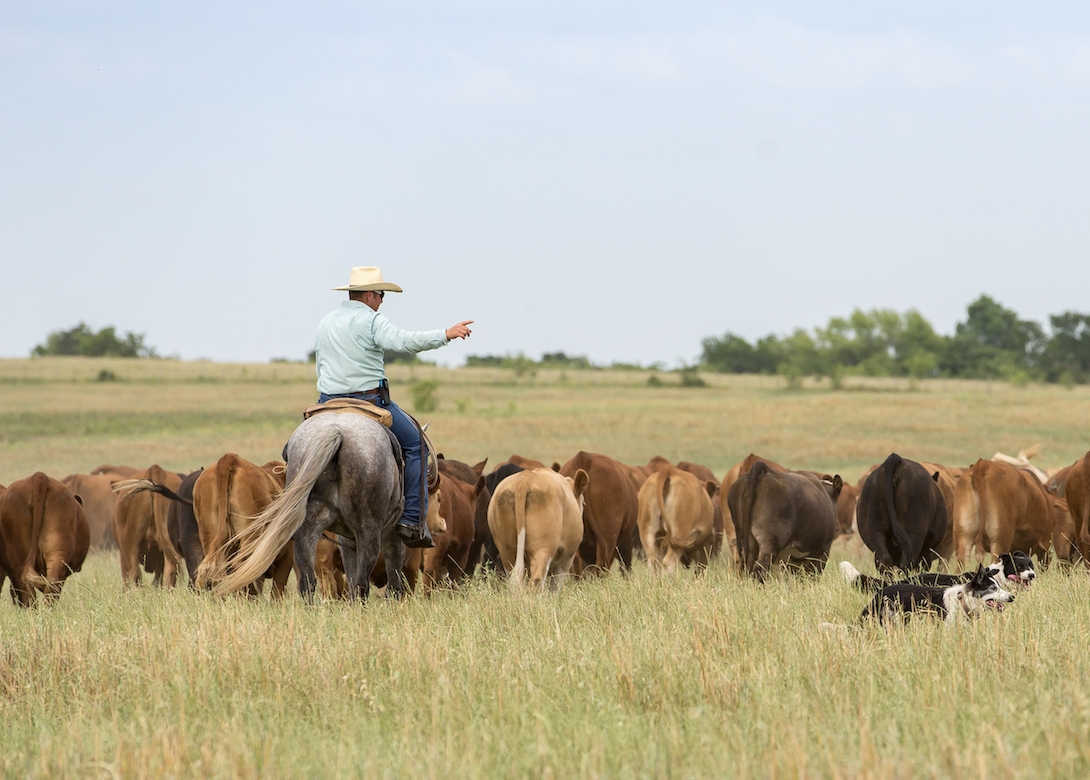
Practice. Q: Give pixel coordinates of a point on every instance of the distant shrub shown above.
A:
(654, 381)
(690, 377)
(425, 395)
(105, 375)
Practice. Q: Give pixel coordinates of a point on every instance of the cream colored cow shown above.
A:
(536, 519)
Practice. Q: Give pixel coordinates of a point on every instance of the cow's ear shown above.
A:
(440, 456)
(711, 487)
(934, 476)
(78, 498)
(479, 467)
(478, 487)
(580, 482)
(556, 467)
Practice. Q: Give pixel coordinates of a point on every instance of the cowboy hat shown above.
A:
(367, 277)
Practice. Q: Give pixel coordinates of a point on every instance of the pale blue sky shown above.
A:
(612, 179)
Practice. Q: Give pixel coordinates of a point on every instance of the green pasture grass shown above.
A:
(683, 676)
(610, 677)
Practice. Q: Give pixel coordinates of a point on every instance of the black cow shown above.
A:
(901, 515)
(783, 518)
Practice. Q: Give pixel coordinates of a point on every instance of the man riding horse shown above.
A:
(349, 350)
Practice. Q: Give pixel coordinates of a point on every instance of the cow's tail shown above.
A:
(263, 539)
(147, 486)
(889, 468)
(748, 555)
(518, 571)
(39, 494)
(213, 567)
(159, 510)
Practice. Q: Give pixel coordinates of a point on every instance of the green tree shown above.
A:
(1068, 352)
(83, 341)
(993, 342)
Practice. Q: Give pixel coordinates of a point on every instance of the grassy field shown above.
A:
(616, 676)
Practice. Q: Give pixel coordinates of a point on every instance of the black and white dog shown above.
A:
(1013, 567)
(954, 604)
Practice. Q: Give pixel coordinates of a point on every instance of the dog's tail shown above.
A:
(860, 580)
(890, 468)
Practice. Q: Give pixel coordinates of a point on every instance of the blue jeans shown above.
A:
(416, 500)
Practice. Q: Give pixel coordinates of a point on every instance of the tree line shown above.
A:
(992, 343)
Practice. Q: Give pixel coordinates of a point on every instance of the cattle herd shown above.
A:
(540, 524)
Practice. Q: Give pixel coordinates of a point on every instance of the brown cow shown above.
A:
(536, 519)
(98, 496)
(783, 517)
(140, 528)
(732, 476)
(44, 537)
(610, 509)
(482, 537)
(1077, 493)
(450, 556)
(1006, 507)
(639, 474)
(676, 519)
(521, 462)
(227, 497)
(845, 509)
(947, 483)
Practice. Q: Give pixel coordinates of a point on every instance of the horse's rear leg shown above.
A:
(306, 548)
(394, 553)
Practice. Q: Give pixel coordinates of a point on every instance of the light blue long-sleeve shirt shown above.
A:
(352, 341)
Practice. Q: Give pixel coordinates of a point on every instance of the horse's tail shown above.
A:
(262, 541)
(518, 571)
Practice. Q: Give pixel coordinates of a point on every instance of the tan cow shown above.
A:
(705, 474)
(729, 479)
(676, 519)
(227, 497)
(1005, 508)
(98, 496)
(140, 528)
(44, 537)
(536, 519)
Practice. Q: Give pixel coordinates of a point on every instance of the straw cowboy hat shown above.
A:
(367, 277)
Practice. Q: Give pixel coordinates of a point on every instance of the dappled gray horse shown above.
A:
(344, 475)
